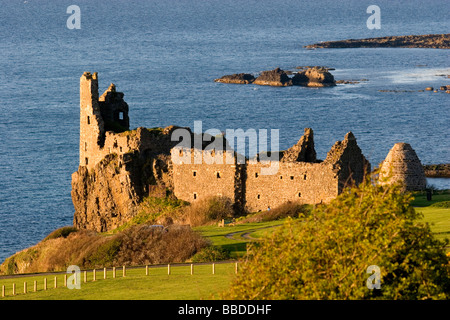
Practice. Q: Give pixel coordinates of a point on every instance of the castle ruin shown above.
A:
(118, 167)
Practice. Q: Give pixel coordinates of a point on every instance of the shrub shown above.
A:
(209, 211)
(146, 244)
(326, 255)
(211, 253)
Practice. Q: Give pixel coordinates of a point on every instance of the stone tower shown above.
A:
(100, 117)
(92, 127)
(402, 165)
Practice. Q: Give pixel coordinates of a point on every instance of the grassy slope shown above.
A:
(236, 242)
(202, 285)
(437, 217)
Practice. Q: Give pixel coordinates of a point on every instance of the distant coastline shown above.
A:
(437, 170)
(436, 41)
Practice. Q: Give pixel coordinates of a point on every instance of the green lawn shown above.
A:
(437, 217)
(180, 284)
(235, 238)
(158, 285)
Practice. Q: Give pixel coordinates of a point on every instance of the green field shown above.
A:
(437, 216)
(136, 285)
(180, 284)
(235, 238)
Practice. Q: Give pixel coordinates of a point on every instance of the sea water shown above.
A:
(164, 55)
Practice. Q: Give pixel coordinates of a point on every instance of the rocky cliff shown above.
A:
(108, 195)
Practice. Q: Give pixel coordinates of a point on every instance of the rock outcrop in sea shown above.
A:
(239, 78)
(276, 77)
(314, 77)
(311, 77)
(437, 41)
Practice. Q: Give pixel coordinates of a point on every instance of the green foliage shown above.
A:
(326, 255)
(152, 208)
(442, 204)
(61, 232)
(105, 254)
(211, 253)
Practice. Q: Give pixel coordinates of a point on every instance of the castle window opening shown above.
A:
(281, 177)
(304, 177)
(256, 174)
(299, 194)
(292, 177)
(121, 115)
(194, 173)
(85, 146)
(88, 120)
(218, 174)
(86, 160)
(258, 196)
(120, 149)
(195, 195)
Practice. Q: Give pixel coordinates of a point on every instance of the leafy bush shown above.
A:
(211, 253)
(326, 255)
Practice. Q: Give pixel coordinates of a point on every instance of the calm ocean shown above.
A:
(165, 54)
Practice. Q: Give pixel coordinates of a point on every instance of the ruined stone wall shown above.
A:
(118, 169)
(297, 181)
(194, 181)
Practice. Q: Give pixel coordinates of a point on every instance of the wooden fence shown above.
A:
(94, 277)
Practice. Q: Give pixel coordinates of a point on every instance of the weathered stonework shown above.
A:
(402, 165)
(119, 167)
(299, 175)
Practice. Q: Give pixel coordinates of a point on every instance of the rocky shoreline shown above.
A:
(437, 170)
(436, 41)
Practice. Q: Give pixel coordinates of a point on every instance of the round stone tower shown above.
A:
(402, 165)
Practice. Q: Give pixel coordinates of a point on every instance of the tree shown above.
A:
(326, 255)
